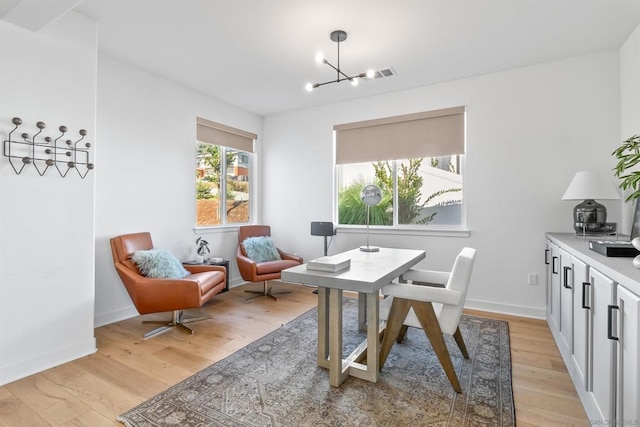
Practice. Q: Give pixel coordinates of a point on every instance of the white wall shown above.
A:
(46, 223)
(528, 131)
(629, 101)
(146, 179)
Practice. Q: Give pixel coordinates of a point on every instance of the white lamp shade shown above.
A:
(591, 185)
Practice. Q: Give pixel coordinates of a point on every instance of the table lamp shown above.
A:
(370, 196)
(590, 215)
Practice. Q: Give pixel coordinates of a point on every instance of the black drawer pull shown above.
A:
(553, 265)
(566, 277)
(610, 309)
(546, 256)
(584, 295)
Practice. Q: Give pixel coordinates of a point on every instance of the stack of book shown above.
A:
(329, 263)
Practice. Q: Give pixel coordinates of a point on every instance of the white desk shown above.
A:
(369, 271)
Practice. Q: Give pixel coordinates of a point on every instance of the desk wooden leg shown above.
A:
(337, 371)
(362, 311)
(373, 337)
(323, 327)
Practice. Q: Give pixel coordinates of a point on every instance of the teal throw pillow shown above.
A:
(261, 249)
(159, 264)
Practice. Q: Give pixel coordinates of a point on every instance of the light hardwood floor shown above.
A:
(127, 370)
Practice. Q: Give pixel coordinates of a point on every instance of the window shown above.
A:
(223, 174)
(416, 162)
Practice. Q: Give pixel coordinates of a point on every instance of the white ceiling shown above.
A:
(259, 54)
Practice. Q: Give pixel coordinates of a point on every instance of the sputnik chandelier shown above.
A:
(338, 36)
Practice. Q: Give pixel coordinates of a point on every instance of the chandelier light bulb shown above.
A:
(354, 81)
(308, 87)
(319, 58)
(371, 73)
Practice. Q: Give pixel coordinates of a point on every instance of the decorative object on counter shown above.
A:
(370, 196)
(202, 250)
(617, 248)
(636, 244)
(47, 152)
(589, 216)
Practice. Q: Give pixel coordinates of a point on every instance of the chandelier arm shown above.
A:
(339, 72)
(341, 79)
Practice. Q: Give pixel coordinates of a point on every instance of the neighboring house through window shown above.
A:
(223, 174)
(415, 159)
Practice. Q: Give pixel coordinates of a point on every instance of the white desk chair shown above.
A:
(411, 305)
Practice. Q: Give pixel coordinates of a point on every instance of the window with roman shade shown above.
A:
(415, 159)
(223, 174)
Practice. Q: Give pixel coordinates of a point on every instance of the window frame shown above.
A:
(216, 134)
(427, 229)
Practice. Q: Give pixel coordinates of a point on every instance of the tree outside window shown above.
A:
(429, 192)
(222, 187)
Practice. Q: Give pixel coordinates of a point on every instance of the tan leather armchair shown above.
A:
(252, 271)
(150, 295)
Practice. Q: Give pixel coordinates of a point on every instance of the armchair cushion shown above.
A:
(159, 264)
(261, 249)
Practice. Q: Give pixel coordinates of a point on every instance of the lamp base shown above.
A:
(589, 215)
(368, 248)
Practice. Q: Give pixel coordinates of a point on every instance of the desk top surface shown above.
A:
(369, 271)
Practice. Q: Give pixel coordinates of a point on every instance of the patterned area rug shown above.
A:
(275, 381)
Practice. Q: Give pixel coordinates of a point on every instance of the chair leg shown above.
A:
(176, 320)
(460, 341)
(429, 321)
(266, 292)
(402, 334)
(397, 314)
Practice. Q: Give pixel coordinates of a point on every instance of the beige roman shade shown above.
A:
(427, 134)
(218, 134)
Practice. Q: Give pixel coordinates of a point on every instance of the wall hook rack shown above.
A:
(47, 152)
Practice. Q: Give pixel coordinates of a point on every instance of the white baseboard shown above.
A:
(514, 310)
(114, 316)
(46, 361)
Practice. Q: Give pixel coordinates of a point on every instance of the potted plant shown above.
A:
(628, 155)
(202, 249)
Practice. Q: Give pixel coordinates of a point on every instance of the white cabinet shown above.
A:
(553, 284)
(593, 311)
(581, 321)
(628, 337)
(566, 301)
(602, 349)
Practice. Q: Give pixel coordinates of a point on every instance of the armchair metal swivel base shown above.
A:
(176, 320)
(266, 292)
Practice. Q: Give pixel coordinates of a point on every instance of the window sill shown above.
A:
(212, 229)
(406, 231)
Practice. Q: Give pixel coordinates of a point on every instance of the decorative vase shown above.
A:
(199, 259)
